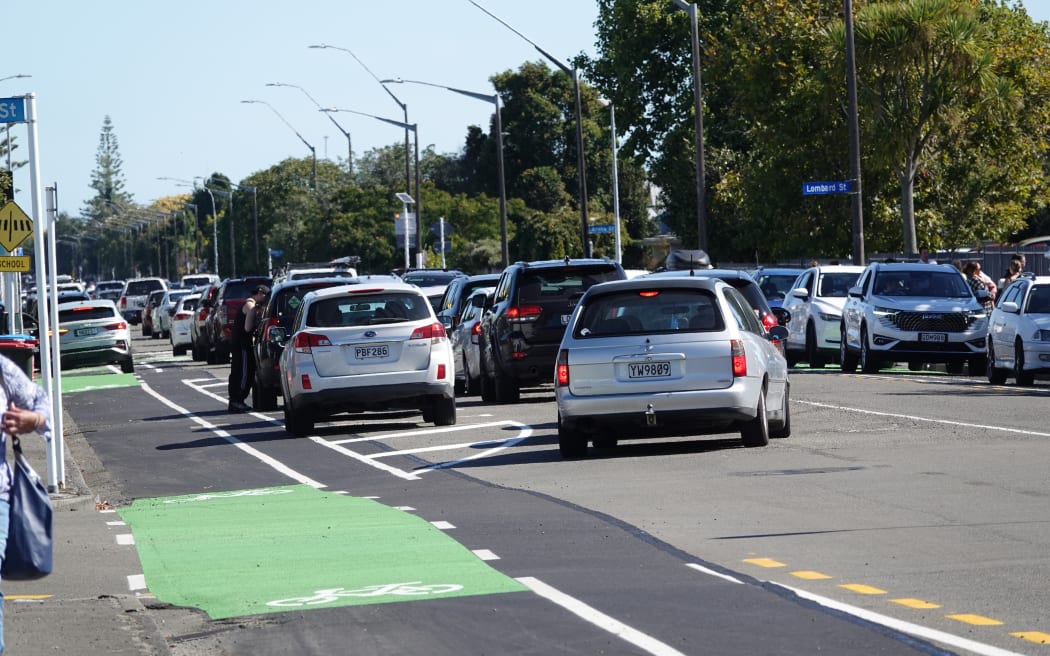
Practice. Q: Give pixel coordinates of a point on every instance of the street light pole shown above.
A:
(313, 151)
(581, 158)
(346, 133)
(698, 124)
(255, 218)
(196, 241)
(856, 200)
(233, 249)
(615, 181)
(495, 99)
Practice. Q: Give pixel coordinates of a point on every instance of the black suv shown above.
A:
(233, 292)
(275, 327)
(521, 332)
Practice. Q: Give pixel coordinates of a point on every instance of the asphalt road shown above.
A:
(910, 506)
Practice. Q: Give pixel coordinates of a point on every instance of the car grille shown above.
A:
(941, 322)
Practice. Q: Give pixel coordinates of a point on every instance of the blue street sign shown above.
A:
(12, 110)
(602, 229)
(276, 252)
(836, 187)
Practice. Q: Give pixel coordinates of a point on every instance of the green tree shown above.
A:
(107, 179)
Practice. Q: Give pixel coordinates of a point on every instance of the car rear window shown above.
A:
(367, 310)
(85, 313)
(647, 311)
(142, 287)
(240, 289)
(562, 284)
(287, 301)
(432, 279)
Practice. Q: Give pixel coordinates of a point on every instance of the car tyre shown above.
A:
(978, 365)
(178, 350)
(263, 397)
(488, 386)
(755, 432)
(815, 358)
(128, 366)
(605, 442)
(996, 376)
(954, 367)
(297, 422)
(507, 390)
(869, 362)
(571, 443)
(473, 383)
(782, 428)
(847, 360)
(1023, 378)
(444, 412)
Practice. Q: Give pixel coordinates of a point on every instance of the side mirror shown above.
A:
(778, 334)
(800, 292)
(783, 316)
(479, 301)
(446, 321)
(856, 292)
(278, 335)
(1009, 306)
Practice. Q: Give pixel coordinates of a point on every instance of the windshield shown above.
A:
(1039, 300)
(775, 286)
(929, 284)
(836, 285)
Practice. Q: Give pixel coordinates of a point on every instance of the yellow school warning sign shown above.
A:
(15, 228)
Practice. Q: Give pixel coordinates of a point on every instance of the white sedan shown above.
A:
(1019, 332)
(181, 324)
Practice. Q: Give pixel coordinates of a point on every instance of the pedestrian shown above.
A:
(28, 411)
(242, 361)
(972, 272)
(993, 289)
(1013, 272)
(924, 256)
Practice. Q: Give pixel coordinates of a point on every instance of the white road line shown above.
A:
(426, 431)
(904, 627)
(255, 453)
(136, 582)
(125, 539)
(116, 524)
(705, 570)
(946, 422)
(485, 554)
(443, 525)
(404, 508)
(601, 620)
(364, 459)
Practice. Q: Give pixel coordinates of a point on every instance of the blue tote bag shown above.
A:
(29, 536)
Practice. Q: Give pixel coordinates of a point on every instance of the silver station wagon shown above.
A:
(655, 357)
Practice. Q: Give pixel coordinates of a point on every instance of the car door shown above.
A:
(853, 310)
(1004, 325)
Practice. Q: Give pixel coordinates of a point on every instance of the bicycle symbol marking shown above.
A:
(228, 495)
(328, 595)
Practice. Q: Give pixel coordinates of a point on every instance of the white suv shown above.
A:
(815, 302)
(356, 348)
(914, 313)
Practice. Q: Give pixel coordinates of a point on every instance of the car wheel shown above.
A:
(815, 358)
(869, 362)
(211, 357)
(978, 365)
(507, 390)
(265, 398)
(128, 366)
(791, 357)
(178, 350)
(755, 432)
(473, 383)
(146, 332)
(847, 360)
(996, 376)
(782, 428)
(1023, 378)
(954, 367)
(444, 412)
(571, 443)
(605, 442)
(297, 422)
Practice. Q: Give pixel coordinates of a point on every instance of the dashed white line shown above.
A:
(116, 524)
(946, 422)
(485, 554)
(404, 508)
(443, 525)
(125, 539)
(136, 582)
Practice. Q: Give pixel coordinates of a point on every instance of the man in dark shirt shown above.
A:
(242, 363)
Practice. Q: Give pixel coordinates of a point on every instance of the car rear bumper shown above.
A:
(697, 411)
(378, 397)
(94, 356)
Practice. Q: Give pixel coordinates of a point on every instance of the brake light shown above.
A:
(561, 371)
(441, 372)
(123, 302)
(769, 321)
(305, 342)
(739, 358)
(182, 316)
(475, 331)
(435, 332)
(524, 313)
(120, 325)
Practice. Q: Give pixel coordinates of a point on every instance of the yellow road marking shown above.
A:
(1033, 636)
(810, 575)
(860, 588)
(915, 603)
(27, 597)
(764, 562)
(976, 620)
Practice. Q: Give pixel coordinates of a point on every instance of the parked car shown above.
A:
(164, 312)
(672, 355)
(815, 303)
(92, 333)
(200, 344)
(152, 303)
(198, 280)
(433, 282)
(776, 283)
(915, 313)
(743, 283)
(228, 301)
(454, 300)
(133, 299)
(108, 289)
(181, 324)
(271, 335)
(465, 340)
(365, 347)
(1019, 332)
(520, 333)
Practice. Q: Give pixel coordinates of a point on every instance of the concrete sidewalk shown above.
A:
(85, 606)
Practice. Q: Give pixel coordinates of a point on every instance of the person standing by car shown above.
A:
(242, 362)
(972, 271)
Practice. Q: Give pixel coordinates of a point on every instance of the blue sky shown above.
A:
(172, 77)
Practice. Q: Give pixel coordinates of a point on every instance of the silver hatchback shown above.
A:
(655, 357)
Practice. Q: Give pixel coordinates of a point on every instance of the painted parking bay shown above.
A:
(270, 550)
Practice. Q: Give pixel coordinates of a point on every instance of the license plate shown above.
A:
(649, 370)
(371, 352)
(934, 338)
(85, 332)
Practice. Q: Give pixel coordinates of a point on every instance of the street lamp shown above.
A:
(495, 99)
(580, 156)
(349, 143)
(615, 179)
(406, 200)
(698, 109)
(233, 250)
(415, 137)
(313, 151)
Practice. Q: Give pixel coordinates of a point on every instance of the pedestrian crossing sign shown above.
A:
(15, 226)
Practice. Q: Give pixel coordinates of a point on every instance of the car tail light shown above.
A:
(305, 342)
(435, 332)
(441, 372)
(202, 314)
(769, 321)
(123, 303)
(739, 358)
(524, 313)
(182, 316)
(561, 371)
(305, 379)
(475, 331)
(120, 325)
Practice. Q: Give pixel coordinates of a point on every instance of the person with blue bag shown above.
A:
(28, 410)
